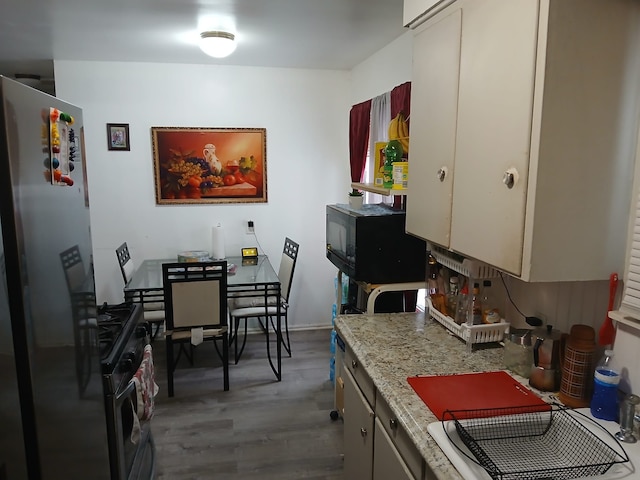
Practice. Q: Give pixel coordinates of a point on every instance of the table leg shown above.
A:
(279, 334)
(277, 369)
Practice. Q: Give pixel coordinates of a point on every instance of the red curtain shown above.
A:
(401, 100)
(359, 121)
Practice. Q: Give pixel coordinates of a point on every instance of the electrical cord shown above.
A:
(509, 294)
(533, 321)
(260, 249)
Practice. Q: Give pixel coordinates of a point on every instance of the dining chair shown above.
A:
(195, 297)
(83, 312)
(126, 263)
(246, 307)
(152, 301)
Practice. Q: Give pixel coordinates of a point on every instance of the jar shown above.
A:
(518, 353)
(452, 297)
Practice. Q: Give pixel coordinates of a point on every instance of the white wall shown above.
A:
(387, 68)
(305, 113)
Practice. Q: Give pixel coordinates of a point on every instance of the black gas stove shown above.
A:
(123, 337)
(115, 323)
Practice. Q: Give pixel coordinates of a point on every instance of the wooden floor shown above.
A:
(260, 428)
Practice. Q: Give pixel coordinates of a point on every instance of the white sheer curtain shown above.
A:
(379, 132)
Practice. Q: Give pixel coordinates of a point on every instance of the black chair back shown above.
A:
(73, 267)
(122, 252)
(287, 267)
(207, 282)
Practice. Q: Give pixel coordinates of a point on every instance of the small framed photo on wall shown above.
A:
(118, 136)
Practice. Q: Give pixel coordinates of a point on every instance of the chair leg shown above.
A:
(192, 351)
(287, 346)
(159, 326)
(224, 356)
(225, 362)
(230, 334)
(189, 354)
(276, 368)
(286, 343)
(238, 353)
(170, 366)
(263, 325)
(233, 326)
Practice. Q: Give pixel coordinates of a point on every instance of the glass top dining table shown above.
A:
(253, 277)
(248, 273)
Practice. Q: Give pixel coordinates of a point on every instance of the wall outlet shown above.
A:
(250, 227)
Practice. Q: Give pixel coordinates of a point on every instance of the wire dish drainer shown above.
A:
(534, 442)
(472, 269)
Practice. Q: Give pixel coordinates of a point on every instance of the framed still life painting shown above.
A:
(209, 165)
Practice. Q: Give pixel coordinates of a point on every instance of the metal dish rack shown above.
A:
(534, 443)
(472, 269)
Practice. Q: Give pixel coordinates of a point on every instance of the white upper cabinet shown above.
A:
(497, 68)
(416, 11)
(436, 63)
(523, 134)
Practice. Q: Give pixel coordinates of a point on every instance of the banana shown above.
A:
(393, 128)
(403, 132)
(403, 125)
(399, 130)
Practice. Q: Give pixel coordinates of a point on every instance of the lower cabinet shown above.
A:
(387, 423)
(376, 447)
(358, 431)
(387, 462)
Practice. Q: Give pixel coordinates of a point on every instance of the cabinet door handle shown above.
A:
(393, 423)
(510, 177)
(354, 364)
(442, 173)
(363, 432)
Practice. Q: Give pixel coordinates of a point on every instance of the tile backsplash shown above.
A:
(560, 304)
(563, 304)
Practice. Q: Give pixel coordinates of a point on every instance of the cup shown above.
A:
(518, 353)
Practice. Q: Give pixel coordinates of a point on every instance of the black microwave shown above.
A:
(370, 244)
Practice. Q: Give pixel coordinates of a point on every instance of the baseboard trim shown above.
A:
(298, 328)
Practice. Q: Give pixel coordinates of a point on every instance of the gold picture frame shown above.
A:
(209, 165)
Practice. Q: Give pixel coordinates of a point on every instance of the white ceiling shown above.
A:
(323, 34)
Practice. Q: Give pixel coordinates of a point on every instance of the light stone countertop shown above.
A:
(394, 346)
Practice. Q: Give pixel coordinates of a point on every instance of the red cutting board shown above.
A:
(473, 391)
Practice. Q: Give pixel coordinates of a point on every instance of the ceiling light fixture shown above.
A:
(217, 44)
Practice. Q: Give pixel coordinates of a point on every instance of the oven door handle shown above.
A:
(126, 393)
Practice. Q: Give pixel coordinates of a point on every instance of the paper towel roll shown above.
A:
(217, 243)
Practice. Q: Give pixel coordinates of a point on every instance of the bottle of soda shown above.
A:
(462, 305)
(393, 153)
